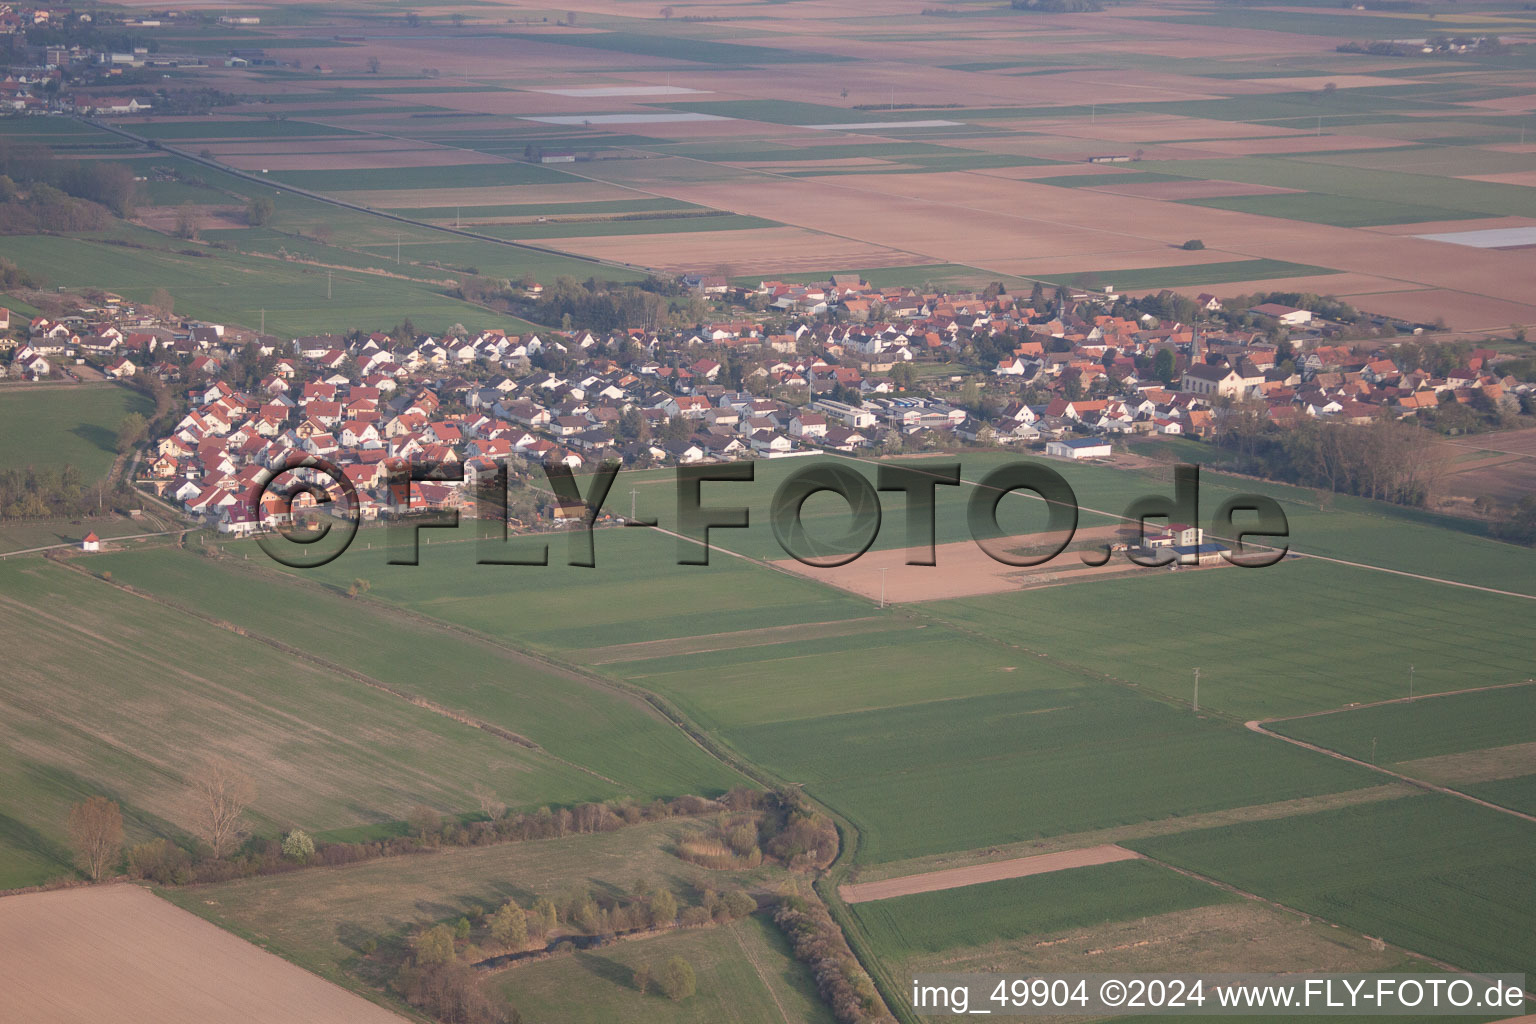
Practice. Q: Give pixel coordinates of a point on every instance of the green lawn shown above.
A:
(1431, 873)
(60, 424)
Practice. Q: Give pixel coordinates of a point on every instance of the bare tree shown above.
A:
(490, 806)
(96, 832)
(220, 794)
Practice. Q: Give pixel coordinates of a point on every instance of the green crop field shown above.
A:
(57, 425)
(1340, 211)
(1424, 728)
(233, 287)
(461, 176)
(563, 608)
(612, 735)
(976, 915)
(1315, 637)
(1198, 273)
(1518, 793)
(744, 974)
(1432, 873)
(959, 774)
(177, 131)
(325, 751)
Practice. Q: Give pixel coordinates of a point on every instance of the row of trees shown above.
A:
(42, 208)
(50, 492)
(818, 943)
(1387, 459)
(108, 184)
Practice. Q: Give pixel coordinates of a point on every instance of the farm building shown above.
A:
(91, 542)
(1203, 554)
(1079, 448)
(1286, 315)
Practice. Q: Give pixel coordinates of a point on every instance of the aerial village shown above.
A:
(793, 369)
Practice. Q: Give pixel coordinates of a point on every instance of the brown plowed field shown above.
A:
(119, 954)
(954, 878)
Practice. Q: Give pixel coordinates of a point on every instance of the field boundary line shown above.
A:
(1397, 700)
(1258, 727)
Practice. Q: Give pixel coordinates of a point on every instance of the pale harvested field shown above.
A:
(1171, 190)
(1462, 311)
(749, 251)
(1509, 762)
(164, 218)
(954, 878)
(1526, 178)
(120, 954)
(1323, 284)
(962, 569)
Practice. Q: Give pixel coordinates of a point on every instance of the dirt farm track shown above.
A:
(118, 953)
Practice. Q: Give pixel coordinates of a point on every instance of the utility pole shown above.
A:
(455, 218)
(327, 284)
(263, 321)
(397, 248)
(883, 571)
(633, 497)
(1197, 692)
(1373, 750)
(1410, 682)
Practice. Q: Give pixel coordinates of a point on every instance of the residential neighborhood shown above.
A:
(821, 372)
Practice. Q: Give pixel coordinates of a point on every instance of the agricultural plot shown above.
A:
(1313, 637)
(135, 698)
(609, 735)
(120, 954)
(1432, 873)
(1077, 898)
(1413, 731)
(960, 774)
(53, 426)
